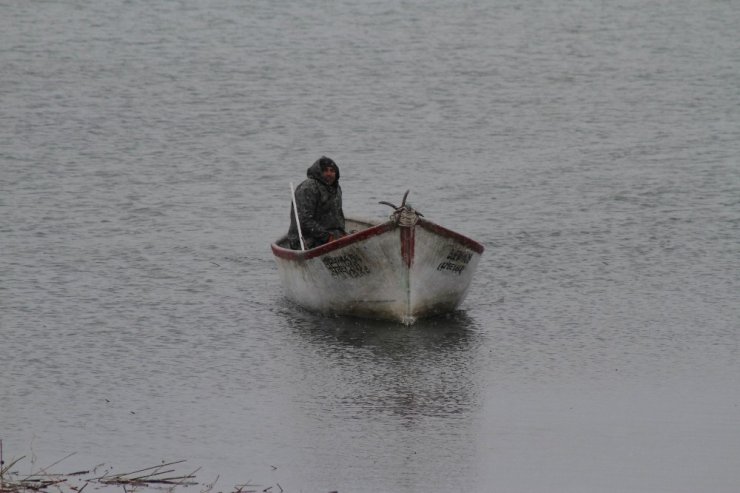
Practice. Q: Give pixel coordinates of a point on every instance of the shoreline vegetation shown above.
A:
(162, 477)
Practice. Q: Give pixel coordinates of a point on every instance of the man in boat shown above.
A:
(319, 203)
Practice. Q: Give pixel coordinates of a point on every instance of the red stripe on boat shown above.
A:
(407, 245)
(442, 231)
(289, 254)
(407, 241)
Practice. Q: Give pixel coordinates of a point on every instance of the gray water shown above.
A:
(146, 151)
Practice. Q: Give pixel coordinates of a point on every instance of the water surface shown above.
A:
(145, 154)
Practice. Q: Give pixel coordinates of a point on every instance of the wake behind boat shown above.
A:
(402, 269)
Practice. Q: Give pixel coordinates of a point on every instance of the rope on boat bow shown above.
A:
(404, 215)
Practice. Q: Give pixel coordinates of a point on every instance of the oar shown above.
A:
(297, 221)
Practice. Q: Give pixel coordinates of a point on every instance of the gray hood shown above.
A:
(315, 170)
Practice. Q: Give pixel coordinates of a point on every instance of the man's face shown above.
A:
(329, 174)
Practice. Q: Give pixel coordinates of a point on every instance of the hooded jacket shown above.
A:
(319, 207)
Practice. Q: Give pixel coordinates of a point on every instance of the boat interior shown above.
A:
(351, 225)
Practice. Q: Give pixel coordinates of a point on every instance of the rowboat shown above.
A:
(401, 269)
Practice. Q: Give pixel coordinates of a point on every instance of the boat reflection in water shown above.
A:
(370, 367)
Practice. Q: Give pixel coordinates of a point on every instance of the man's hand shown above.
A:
(336, 235)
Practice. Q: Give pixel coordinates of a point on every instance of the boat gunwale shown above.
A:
(362, 235)
(379, 229)
(460, 238)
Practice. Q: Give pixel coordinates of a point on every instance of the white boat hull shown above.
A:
(386, 271)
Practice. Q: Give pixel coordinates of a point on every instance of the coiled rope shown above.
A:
(404, 215)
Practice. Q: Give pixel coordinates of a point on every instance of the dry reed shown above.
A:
(161, 477)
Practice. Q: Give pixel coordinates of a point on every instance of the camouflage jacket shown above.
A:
(319, 208)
